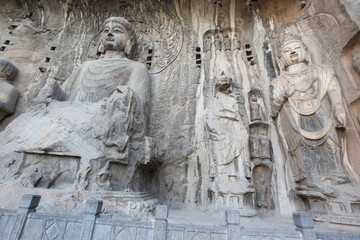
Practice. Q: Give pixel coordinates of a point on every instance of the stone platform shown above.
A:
(26, 223)
(120, 204)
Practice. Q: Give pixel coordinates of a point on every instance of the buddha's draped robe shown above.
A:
(98, 79)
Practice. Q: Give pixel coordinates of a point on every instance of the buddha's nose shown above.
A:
(110, 34)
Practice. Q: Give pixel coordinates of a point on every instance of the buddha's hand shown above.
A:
(121, 88)
(289, 90)
(50, 91)
(341, 119)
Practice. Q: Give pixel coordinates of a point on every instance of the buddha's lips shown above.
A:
(109, 39)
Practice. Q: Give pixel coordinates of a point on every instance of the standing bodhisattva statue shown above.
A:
(307, 102)
(101, 112)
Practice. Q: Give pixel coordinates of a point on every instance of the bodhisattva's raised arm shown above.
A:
(335, 95)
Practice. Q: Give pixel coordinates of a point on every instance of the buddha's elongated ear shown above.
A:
(130, 47)
(101, 49)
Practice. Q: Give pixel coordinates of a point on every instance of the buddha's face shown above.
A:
(292, 53)
(115, 36)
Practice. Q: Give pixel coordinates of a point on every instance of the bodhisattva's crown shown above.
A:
(288, 39)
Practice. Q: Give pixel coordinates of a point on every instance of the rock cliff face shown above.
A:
(217, 73)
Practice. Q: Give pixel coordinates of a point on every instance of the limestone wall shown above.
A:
(211, 64)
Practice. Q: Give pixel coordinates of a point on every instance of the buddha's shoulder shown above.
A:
(130, 64)
(137, 65)
(279, 80)
(323, 68)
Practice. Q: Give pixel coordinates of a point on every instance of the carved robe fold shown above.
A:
(98, 79)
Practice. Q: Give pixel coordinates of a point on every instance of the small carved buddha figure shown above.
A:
(208, 43)
(8, 94)
(265, 145)
(254, 144)
(236, 42)
(227, 43)
(255, 110)
(218, 42)
(308, 100)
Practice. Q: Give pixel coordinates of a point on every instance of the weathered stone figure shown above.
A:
(222, 121)
(236, 42)
(265, 145)
(101, 113)
(254, 146)
(255, 109)
(208, 43)
(228, 141)
(8, 94)
(227, 43)
(217, 42)
(307, 101)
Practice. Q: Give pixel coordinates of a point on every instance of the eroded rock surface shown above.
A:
(207, 114)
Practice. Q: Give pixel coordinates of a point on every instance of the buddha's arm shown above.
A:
(139, 82)
(53, 90)
(334, 93)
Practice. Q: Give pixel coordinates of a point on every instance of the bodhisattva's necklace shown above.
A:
(300, 79)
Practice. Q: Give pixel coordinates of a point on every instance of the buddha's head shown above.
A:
(292, 51)
(118, 35)
(8, 71)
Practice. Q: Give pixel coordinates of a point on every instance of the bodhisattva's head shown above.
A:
(118, 35)
(292, 51)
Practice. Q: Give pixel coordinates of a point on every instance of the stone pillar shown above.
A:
(160, 226)
(305, 224)
(232, 218)
(93, 209)
(27, 205)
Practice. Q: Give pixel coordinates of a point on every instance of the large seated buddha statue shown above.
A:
(99, 115)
